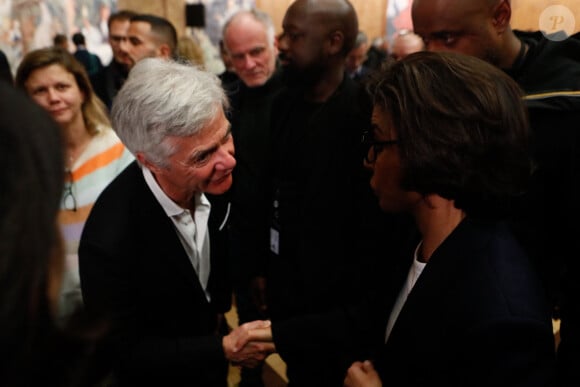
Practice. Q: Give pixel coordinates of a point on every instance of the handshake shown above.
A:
(249, 344)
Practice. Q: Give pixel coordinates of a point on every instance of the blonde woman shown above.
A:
(189, 50)
(94, 155)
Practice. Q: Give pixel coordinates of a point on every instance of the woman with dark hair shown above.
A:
(33, 350)
(449, 145)
(94, 155)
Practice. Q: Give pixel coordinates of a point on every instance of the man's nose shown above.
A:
(249, 61)
(226, 156)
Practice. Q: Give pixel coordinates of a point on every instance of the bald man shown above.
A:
(323, 227)
(406, 43)
(249, 38)
(547, 67)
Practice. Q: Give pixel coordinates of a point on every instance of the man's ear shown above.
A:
(501, 16)
(335, 42)
(165, 51)
(146, 163)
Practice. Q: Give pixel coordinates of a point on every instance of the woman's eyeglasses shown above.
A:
(373, 147)
(68, 198)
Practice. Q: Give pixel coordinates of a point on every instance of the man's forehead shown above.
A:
(449, 8)
(139, 27)
(124, 24)
(437, 15)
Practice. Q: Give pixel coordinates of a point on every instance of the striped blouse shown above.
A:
(103, 159)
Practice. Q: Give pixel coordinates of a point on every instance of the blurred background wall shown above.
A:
(30, 24)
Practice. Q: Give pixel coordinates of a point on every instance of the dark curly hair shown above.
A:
(462, 128)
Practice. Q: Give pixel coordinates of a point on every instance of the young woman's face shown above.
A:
(57, 92)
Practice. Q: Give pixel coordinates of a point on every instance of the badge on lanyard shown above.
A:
(274, 233)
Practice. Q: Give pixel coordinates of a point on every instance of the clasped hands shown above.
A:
(249, 344)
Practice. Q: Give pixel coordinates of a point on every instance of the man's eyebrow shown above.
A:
(228, 132)
(201, 152)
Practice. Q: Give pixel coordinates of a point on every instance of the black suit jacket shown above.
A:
(134, 270)
(477, 316)
(108, 81)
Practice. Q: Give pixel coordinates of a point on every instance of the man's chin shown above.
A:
(220, 186)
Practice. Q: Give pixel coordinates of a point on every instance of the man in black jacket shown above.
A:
(249, 39)
(325, 226)
(109, 80)
(147, 260)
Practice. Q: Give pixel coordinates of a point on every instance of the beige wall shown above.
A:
(173, 10)
(526, 13)
(371, 13)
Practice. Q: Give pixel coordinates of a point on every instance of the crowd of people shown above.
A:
(377, 217)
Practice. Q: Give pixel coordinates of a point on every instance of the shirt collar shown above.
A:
(169, 206)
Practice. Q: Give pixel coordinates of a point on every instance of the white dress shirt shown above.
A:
(412, 277)
(192, 230)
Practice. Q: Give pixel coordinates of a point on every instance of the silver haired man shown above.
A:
(146, 257)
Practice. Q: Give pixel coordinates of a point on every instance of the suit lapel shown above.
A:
(424, 302)
(162, 239)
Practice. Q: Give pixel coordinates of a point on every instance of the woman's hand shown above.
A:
(362, 374)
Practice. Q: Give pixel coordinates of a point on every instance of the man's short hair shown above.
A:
(122, 15)
(60, 40)
(361, 38)
(258, 15)
(164, 98)
(162, 28)
(78, 39)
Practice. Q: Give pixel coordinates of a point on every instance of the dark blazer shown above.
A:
(134, 269)
(5, 72)
(477, 316)
(108, 81)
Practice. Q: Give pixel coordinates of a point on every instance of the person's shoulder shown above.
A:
(553, 46)
(124, 185)
(105, 138)
(552, 64)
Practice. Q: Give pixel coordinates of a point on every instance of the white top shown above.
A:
(414, 273)
(192, 230)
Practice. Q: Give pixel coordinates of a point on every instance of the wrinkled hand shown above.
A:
(362, 375)
(249, 344)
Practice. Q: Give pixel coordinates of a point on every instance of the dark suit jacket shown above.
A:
(108, 81)
(134, 269)
(477, 316)
(5, 72)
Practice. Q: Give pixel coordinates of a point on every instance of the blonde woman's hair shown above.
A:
(189, 50)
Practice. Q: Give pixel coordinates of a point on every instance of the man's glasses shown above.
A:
(373, 147)
(68, 198)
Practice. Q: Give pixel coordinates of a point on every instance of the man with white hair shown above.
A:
(147, 261)
(249, 38)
